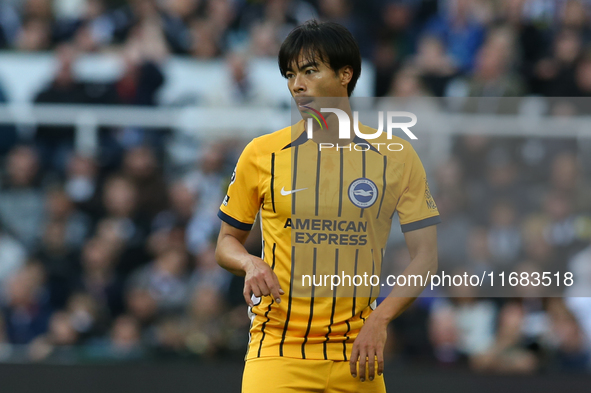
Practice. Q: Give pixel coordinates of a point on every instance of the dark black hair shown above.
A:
(327, 42)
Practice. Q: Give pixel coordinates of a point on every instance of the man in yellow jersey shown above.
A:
(322, 211)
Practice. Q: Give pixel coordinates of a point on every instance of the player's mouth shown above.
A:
(304, 102)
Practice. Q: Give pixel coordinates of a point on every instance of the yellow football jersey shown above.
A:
(323, 211)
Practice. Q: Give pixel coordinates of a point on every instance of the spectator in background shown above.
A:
(208, 272)
(264, 42)
(21, 196)
(577, 302)
(58, 343)
(141, 304)
(561, 232)
(555, 75)
(452, 204)
(407, 84)
(99, 278)
(60, 208)
(123, 222)
(124, 341)
(460, 32)
(182, 207)
(143, 55)
(395, 41)
(165, 279)
(206, 325)
(504, 237)
(434, 66)
(536, 248)
(12, 256)
(574, 15)
(502, 182)
(142, 76)
(87, 316)
(205, 39)
(462, 327)
(8, 134)
(141, 167)
(509, 354)
(478, 251)
(125, 338)
(82, 184)
(239, 88)
(493, 75)
(583, 76)
(26, 309)
(58, 259)
(56, 142)
(9, 25)
(566, 178)
(207, 182)
(178, 15)
(567, 339)
(3, 335)
(37, 29)
(531, 39)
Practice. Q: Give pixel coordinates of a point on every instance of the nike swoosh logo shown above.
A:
(283, 192)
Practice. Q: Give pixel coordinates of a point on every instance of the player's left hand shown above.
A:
(368, 346)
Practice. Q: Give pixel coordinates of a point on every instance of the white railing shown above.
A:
(247, 122)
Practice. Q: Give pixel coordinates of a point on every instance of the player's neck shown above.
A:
(331, 133)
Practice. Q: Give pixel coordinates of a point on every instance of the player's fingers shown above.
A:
(246, 292)
(371, 364)
(362, 364)
(263, 288)
(276, 279)
(255, 288)
(273, 288)
(353, 361)
(380, 362)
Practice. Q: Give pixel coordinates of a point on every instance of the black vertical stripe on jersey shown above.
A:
(345, 340)
(383, 186)
(268, 309)
(273, 264)
(311, 307)
(355, 286)
(363, 163)
(334, 302)
(362, 175)
(398, 201)
(273, 181)
(341, 183)
(318, 159)
(373, 269)
(289, 302)
(293, 179)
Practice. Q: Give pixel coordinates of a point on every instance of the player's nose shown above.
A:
(299, 85)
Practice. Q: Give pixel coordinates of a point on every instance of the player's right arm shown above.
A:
(259, 278)
(238, 212)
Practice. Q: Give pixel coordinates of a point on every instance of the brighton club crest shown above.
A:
(363, 192)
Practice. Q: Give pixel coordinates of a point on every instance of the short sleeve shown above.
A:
(416, 207)
(242, 202)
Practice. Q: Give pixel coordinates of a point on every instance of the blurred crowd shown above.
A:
(111, 257)
(432, 47)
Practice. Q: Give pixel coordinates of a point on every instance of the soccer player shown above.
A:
(322, 211)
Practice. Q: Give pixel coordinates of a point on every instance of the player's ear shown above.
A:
(345, 75)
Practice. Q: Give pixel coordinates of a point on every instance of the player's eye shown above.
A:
(289, 75)
(310, 70)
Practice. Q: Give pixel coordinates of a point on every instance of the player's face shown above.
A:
(308, 78)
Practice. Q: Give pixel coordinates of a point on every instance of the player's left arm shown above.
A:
(369, 344)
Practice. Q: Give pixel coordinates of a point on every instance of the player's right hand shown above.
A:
(260, 280)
